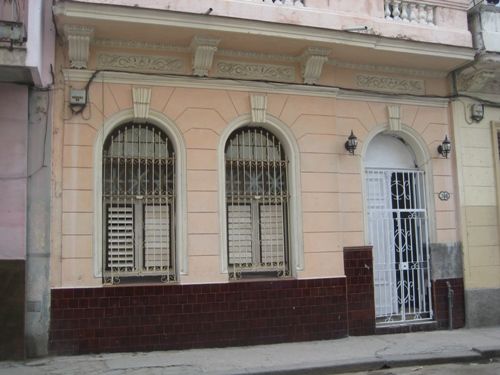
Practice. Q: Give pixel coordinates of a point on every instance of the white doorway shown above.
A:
(397, 225)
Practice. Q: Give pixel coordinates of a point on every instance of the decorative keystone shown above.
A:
(258, 103)
(394, 117)
(203, 49)
(141, 97)
(313, 59)
(79, 38)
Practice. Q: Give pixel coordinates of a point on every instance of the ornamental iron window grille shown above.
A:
(257, 204)
(138, 204)
(398, 231)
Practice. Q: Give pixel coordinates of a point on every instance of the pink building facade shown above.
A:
(205, 187)
(26, 56)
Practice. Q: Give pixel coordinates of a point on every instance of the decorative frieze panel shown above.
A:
(409, 11)
(390, 84)
(78, 38)
(255, 71)
(482, 77)
(140, 63)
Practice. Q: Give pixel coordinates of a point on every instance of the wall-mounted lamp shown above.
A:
(351, 143)
(445, 147)
(477, 112)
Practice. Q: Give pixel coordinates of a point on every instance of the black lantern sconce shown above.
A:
(477, 112)
(351, 143)
(445, 147)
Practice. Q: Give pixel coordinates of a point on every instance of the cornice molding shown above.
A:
(78, 38)
(389, 69)
(132, 44)
(269, 57)
(255, 71)
(203, 49)
(233, 25)
(390, 84)
(140, 63)
(74, 75)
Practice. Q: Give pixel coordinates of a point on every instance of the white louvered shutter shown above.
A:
(239, 234)
(156, 236)
(271, 233)
(120, 236)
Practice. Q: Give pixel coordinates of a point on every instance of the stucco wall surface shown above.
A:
(331, 179)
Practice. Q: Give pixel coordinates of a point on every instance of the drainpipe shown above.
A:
(451, 294)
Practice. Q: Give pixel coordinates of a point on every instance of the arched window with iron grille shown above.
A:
(257, 204)
(138, 203)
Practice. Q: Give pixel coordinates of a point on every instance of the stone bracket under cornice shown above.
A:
(204, 49)
(78, 38)
(481, 77)
(313, 59)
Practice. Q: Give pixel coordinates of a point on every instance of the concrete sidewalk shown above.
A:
(318, 357)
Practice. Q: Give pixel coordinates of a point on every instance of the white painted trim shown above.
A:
(176, 138)
(74, 75)
(424, 162)
(287, 139)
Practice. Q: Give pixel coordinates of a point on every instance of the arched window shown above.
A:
(257, 204)
(138, 200)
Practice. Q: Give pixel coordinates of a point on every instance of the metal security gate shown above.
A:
(398, 231)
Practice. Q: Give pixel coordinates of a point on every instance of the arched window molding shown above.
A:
(177, 140)
(288, 141)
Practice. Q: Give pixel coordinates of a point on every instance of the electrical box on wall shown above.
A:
(77, 97)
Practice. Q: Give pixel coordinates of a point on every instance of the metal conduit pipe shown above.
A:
(451, 294)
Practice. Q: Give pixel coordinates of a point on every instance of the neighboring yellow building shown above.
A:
(476, 117)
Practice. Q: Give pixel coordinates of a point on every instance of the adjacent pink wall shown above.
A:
(13, 169)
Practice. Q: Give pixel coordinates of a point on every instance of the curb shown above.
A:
(371, 364)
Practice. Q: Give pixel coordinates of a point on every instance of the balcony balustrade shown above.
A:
(409, 11)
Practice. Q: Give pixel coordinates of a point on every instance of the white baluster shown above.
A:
(396, 10)
(288, 3)
(387, 10)
(404, 12)
(413, 13)
(299, 3)
(422, 14)
(430, 15)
